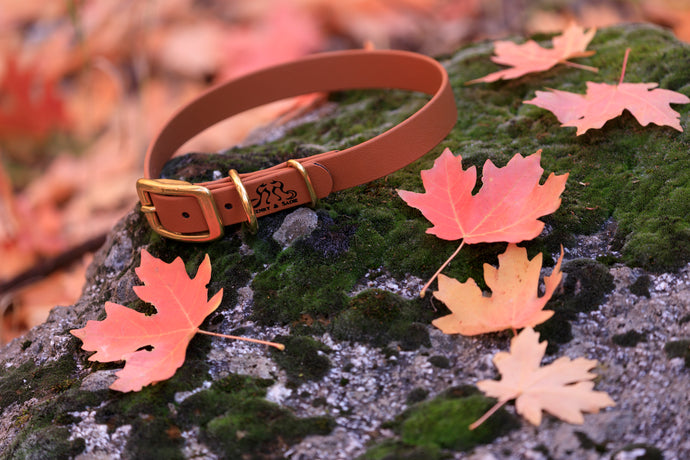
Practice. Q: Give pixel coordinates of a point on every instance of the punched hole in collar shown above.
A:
(228, 205)
(185, 215)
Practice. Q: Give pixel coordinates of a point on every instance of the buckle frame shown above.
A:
(173, 187)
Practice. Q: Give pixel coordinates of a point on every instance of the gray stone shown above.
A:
(300, 222)
(99, 380)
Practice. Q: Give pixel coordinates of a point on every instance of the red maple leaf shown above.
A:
(531, 57)
(603, 102)
(506, 208)
(125, 334)
(28, 107)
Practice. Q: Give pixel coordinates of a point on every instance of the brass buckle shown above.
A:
(180, 188)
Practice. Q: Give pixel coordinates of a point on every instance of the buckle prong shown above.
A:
(145, 187)
(253, 224)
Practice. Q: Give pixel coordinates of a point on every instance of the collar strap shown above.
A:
(198, 212)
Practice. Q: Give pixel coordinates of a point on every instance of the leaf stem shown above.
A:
(279, 346)
(625, 64)
(488, 414)
(581, 66)
(422, 293)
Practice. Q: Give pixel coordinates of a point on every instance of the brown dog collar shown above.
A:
(199, 212)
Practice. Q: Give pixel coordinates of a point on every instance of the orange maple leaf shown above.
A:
(513, 304)
(603, 102)
(125, 334)
(530, 57)
(28, 107)
(562, 388)
(506, 208)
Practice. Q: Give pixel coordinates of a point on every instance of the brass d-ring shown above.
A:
(305, 175)
(252, 223)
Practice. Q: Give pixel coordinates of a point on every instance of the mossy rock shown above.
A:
(647, 452)
(49, 442)
(629, 338)
(378, 317)
(637, 177)
(398, 450)
(445, 423)
(236, 420)
(585, 286)
(678, 349)
(303, 358)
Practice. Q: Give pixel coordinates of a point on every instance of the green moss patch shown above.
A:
(442, 424)
(237, 422)
(44, 427)
(311, 277)
(416, 395)
(650, 452)
(397, 450)
(588, 443)
(678, 349)
(48, 442)
(629, 338)
(640, 286)
(303, 358)
(378, 317)
(28, 381)
(440, 361)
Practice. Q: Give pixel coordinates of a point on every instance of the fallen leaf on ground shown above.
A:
(125, 334)
(602, 102)
(285, 32)
(513, 303)
(506, 208)
(530, 57)
(29, 106)
(563, 388)
(675, 13)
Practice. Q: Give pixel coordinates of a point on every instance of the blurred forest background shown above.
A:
(85, 84)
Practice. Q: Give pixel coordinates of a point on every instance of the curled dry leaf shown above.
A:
(513, 304)
(563, 388)
(602, 102)
(530, 57)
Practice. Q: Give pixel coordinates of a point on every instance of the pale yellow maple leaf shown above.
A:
(563, 388)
